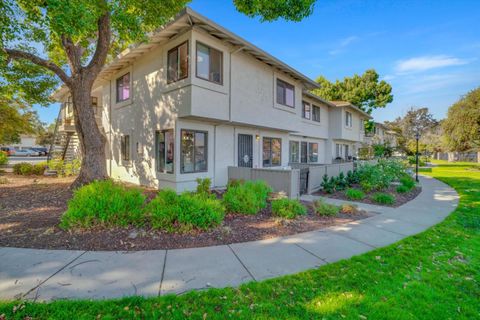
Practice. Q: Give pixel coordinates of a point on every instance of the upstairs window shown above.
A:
(316, 113)
(125, 147)
(178, 63)
(285, 94)
(209, 63)
(123, 87)
(306, 111)
(272, 152)
(348, 119)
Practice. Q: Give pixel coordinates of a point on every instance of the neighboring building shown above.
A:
(197, 99)
(380, 134)
(26, 142)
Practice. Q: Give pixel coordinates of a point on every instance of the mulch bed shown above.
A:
(401, 198)
(30, 210)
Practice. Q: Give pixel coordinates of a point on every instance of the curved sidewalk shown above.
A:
(44, 275)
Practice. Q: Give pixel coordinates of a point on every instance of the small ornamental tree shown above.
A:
(45, 43)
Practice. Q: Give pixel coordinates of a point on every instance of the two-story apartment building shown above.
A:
(380, 134)
(197, 99)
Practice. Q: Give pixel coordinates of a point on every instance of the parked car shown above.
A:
(8, 150)
(41, 150)
(26, 153)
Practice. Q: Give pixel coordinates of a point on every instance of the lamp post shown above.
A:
(417, 137)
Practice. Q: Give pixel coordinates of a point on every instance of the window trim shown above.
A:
(117, 98)
(348, 123)
(178, 58)
(271, 165)
(181, 149)
(209, 61)
(157, 151)
(285, 95)
(319, 113)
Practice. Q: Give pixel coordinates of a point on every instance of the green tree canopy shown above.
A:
(462, 125)
(365, 91)
(47, 42)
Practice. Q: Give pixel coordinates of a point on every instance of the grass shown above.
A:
(433, 275)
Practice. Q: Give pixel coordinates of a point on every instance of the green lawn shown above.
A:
(434, 275)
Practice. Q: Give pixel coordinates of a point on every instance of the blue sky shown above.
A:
(429, 51)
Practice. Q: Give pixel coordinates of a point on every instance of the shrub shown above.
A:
(288, 208)
(407, 182)
(352, 177)
(198, 211)
(203, 186)
(348, 208)
(402, 189)
(324, 209)
(39, 168)
(354, 194)
(247, 198)
(328, 185)
(3, 158)
(383, 198)
(105, 203)
(163, 210)
(23, 168)
(341, 182)
(235, 182)
(65, 168)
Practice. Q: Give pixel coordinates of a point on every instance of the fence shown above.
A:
(316, 173)
(281, 180)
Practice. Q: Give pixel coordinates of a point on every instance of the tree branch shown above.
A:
(103, 45)
(19, 55)
(74, 54)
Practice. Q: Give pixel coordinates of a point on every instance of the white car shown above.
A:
(26, 153)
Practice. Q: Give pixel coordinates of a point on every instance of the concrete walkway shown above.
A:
(44, 275)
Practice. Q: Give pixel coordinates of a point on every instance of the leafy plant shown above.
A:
(352, 177)
(407, 182)
(402, 189)
(65, 168)
(203, 186)
(3, 158)
(348, 208)
(324, 209)
(354, 194)
(383, 198)
(327, 184)
(341, 182)
(247, 198)
(23, 168)
(288, 208)
(163, 210)
(104, 202)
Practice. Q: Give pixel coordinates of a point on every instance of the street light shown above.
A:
(417, 137)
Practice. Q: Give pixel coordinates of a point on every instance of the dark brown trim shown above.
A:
(188, 62)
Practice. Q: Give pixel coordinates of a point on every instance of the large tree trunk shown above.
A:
(92, 140)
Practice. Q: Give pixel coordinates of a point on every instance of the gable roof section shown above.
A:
(351, 106)
(185, 20)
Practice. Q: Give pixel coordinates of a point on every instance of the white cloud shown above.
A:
(427, 62)
(343, 43)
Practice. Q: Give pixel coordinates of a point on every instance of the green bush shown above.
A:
(381, 175)
(402, 189)
(196, 210)
(65, 168)
(3, 158)
(408, 182)
(104, 203)
(23, 168)
(288, 208)
(163, 210)
(324, 209)
(39, 168)
(383, 198)
(352, 177)
(354, 194)
(328, 185)
(247, 198)
(203, 186)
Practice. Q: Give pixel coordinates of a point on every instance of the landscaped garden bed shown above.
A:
(32, 209)
(385, 183)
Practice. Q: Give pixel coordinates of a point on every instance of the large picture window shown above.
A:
(285, 93)
(294, 151)
(178, 63)
(165, 151)
(306, 111)
(123, 87)
(272, 152)
(209, 63)
(125, 147)
(194, 151)
(316, 113)
(312, 152)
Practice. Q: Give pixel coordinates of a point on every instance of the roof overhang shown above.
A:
(317, 98)
(184, 21)
(346, 104)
